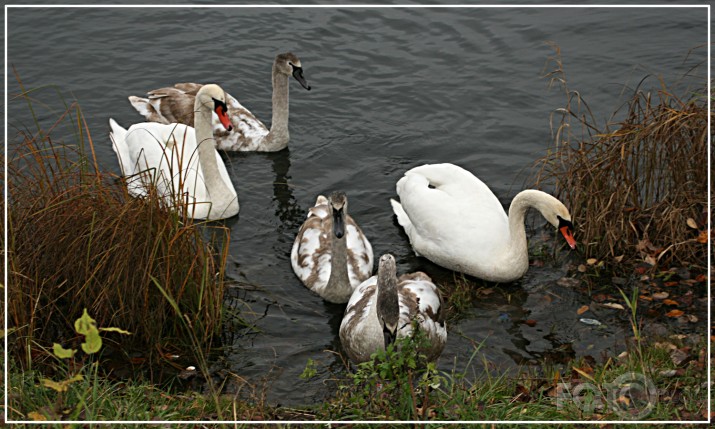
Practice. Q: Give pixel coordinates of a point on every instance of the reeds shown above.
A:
(76, 239)
(638, 190)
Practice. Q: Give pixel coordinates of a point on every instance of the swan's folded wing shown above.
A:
(311, 255)
(360, 331)
(169, 105)
(428, 209)
(420, 300)
(189, 88)
(445, 203)
(320, 209)
(360, 253)
(424, 295)
(360, 303)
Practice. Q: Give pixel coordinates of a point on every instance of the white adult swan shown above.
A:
(331, 255)
(384, 308)
(454, 220)
(168, 105)
(181, 162)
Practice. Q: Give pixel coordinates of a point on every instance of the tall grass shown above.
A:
(637, 189)
(76, 240)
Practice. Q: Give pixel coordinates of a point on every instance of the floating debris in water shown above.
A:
(592, 322)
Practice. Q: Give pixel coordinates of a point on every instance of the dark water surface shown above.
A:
(392, 89)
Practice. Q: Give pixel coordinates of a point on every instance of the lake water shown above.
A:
(392, 88)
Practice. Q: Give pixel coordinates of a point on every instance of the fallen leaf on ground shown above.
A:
(660, 295)
(665, 346)
(670, 302)
(703, 237)
(591, 261)
(670, 284)
(585, 372)
(678, 356)
(582, 309)
(613, 305)
(568, 282)
(35, 416)
(668, 373)
(522, 394)
(599, 297)
(674, 313)
(691, 223)
(624, 400)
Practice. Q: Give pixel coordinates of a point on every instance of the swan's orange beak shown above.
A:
(223, 117)
(568, 235)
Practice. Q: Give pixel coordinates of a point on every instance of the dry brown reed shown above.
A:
(76, 240)
(637, 191)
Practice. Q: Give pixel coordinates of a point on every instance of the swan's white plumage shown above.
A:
(361, 333)
(453, 219)
(167, 157)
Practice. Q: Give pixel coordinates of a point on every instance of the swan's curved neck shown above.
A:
(516, 255)
(539, 200)
(339, 282)
(517, 214)
(388, 306)
(222, 197)
(278, 136)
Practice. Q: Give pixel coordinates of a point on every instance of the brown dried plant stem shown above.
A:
(633, 187)
(76, 239)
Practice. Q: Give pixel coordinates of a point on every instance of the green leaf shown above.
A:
(92, 343)
(62, 352)
(87, 326)
(61, 386)
(119, 330)
(309, 371)
(37, 416)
